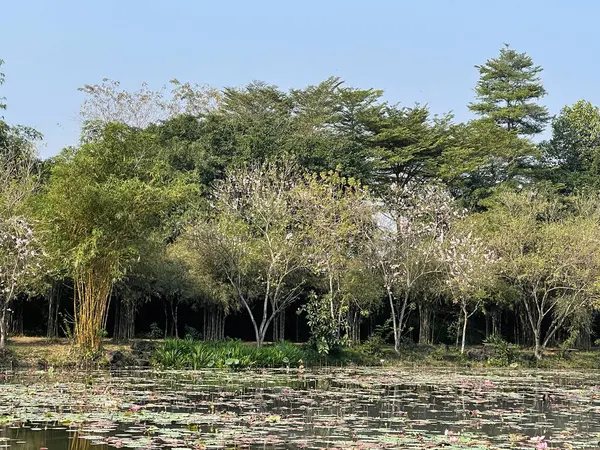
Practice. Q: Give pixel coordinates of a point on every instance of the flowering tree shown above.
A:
(18, 181)
(469, 266)
(255, 241)
(413, 225)
(19, 255)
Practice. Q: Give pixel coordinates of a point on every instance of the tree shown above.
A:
(173, 283)
(507, 90)
(481, 156)
(255, 240)
(571, 158)
(107, 103)
(253, 124)
(19, 253)
(469, 274)
(101, 203)
(152, 277)
(19, 249)
(362, 292)
(415, 220)
(408, 144)
(336, 216)
(332, 128)
(549, 252)
(208, 292)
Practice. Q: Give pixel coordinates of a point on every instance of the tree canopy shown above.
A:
(322, 213)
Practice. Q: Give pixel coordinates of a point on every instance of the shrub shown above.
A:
(505, 353)
(192, 333)
(155, 331)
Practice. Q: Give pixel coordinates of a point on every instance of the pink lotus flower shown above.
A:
(539, 441)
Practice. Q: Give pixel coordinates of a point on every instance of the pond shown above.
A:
(335, 408)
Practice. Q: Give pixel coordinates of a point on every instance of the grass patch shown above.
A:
(38, 352)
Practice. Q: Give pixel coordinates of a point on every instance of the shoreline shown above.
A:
(38, 353)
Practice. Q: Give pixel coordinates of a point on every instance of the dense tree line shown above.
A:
(327, 201)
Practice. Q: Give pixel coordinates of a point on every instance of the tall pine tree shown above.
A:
(507, 91)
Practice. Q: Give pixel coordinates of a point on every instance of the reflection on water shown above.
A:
(371, 408)
(32, 438)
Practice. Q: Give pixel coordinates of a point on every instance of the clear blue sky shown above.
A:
(417, 51)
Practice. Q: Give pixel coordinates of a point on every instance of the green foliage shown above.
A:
(504, 354)
(249, 198)
(332, 127)
(375, 343)
(548, 251)
(408, 144)
(104, 198)
(155, 331)
(506, 91)
(253, 241)
(336, 218)
(191, 354)
(102, 203)
(192, 333)
(481, 156)
(571, 158)
(324, 331)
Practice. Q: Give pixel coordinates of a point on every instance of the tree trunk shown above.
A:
(15, 321)
(425, 324)
(497, 322)
(276, 328)
(394, 324)
(214, 323)
(537, 350)
(166, 319)
(3, 327)
(354, 326)
(459, 321)
(401, 319)
(125, 320)
(53, 304)
(464, 330)
(260, 338)
(131, 313)
(117, 325)
(222, 317)
(174, 310)
(282, 325)
(92, 296)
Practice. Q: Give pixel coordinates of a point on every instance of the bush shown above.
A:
(373, 345)
(376, 341)
(505, 353)
(192, 333)
(155, 331)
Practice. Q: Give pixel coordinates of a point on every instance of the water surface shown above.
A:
(335, 408)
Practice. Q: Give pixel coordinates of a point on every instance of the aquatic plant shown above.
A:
(358, 408)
